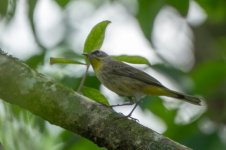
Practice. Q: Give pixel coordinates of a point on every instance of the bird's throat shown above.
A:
(96, 64)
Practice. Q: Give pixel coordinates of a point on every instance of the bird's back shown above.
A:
(124, 79)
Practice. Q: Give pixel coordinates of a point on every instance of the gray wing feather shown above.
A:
(122, 69)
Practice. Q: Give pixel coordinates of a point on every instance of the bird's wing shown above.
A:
(122, 69)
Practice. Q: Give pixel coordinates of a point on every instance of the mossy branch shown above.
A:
(22, 86)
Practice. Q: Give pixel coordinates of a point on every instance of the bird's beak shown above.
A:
(85, 54)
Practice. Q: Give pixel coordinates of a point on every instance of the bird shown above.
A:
(128, 81)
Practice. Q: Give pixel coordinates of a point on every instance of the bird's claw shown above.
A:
(127, 116)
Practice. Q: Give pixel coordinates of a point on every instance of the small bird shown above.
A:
(130, 82)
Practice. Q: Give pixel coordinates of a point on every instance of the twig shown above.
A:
(83, 79)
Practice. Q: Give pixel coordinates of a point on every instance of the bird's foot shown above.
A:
(126, 104)
(126, 117)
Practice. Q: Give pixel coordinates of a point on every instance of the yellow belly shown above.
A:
(157, 91)
(123, 86)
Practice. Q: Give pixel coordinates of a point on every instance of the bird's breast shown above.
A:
(121, 85)
(96, 64)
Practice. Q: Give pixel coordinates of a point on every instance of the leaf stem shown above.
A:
(83, 79)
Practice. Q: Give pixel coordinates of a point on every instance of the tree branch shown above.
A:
(22, 86)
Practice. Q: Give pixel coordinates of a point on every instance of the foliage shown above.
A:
(95, 95)
(95, 38)
(132, 59)
(208, 76)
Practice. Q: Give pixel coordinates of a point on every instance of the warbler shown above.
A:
(130, 82)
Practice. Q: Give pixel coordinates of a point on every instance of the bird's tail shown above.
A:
(187, 98)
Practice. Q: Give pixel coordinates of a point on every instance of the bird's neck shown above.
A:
(96, 64)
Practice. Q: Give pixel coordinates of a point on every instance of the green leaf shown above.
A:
(181, 5)
(208, 76)
(62, 3)
(31, 8)
(215, 9)
(64, 61)
(147, 11)
(95, 95)
(96, 37)
(35, 60)
(132, 59)
(3, 7)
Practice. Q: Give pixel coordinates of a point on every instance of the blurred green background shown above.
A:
(185, 41)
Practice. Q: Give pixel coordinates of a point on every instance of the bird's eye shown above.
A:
(99, 53)
(96, 53)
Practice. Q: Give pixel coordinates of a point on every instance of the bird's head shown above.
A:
(96, 58)
(97, 54)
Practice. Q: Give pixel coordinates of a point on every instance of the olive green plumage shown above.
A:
(128, 81)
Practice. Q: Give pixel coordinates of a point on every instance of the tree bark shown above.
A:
(61, 106)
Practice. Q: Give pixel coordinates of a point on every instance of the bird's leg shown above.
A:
(111, 106)
(125, 104)
(131, 102)
(129, 115)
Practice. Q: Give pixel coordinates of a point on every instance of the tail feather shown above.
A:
(188, 98)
